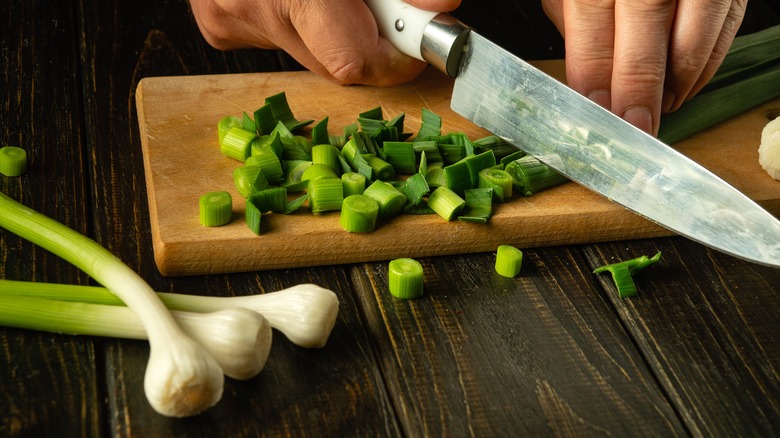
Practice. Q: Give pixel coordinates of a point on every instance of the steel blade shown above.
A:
(590, 145)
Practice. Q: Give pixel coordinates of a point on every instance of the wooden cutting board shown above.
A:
(178, 118)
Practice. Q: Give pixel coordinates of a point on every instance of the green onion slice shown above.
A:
(359, 213)
(622, 273)
(216, 209)
(509, 260)
(13, 161)
(446, 203)
(406, 278)
(391, 200)
(353, 183)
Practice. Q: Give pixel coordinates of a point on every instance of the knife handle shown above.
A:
(434, 37)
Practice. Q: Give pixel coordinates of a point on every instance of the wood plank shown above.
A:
(707, 325)
(178, 117)
(49, 382)
(541, 354)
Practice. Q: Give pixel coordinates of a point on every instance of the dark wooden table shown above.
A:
(552, 352)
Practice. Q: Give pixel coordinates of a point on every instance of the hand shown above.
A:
(642, 58)
(337, 39)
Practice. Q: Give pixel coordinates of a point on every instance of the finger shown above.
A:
(694, 56)
(589, 30)
(641, 45)
(346, 45)
(435, 5)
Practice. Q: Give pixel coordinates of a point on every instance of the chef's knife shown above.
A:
(590, 145)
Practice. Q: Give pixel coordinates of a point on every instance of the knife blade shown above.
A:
(590, 145)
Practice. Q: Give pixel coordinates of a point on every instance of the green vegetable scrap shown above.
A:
(623, 272)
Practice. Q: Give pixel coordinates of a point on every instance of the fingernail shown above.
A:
(640, 117)
(601, 97)
(668, 101)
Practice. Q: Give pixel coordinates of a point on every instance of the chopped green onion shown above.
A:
(271, 199)
(236, 143)
(479, 162)
(431, 150)
(225, 124)
(446, 203)
(325, 194)
(249, 179)
(511, 157)
(458, 176)
(414, 188)
(391, 201)
(326, 154)
(296, 203)
(266, 142)
(353, 183)
(406, 279)
(318, 171)
(282, 113)
(479, 205)
(532, 176)
(430, 126)
(622, 273)
(319, 133)
(264, 120)
(509, 260)
(498, 180)
(247, 124)
(380, 169)
(400, 154)
(253, 215)
(435, 176)
(13, 161)
(359, 213)
(269, 164)
(216, 209)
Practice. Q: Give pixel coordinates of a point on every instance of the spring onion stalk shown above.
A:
(708, 109)
(477, 163)
(423, 167)
(325, 194)
(270, 141)
(305, 313)
(269, 165)
(498, 180)
(400, 154)
(532, 176)
(238, 338)
(406, 279)
(326, 154)
(479, 205)
(414, 188)
(353, 183)
(13, 161)
(181, 378)
(500, 147)
(509, 260)
(247, 124)
(391, 201)
(318, 171)
(282, 113)
(622, 273)
(225, 124)
(380, 169)
(216, 208)
(236, 143)
(452, 153)
(458, 176)
(446, 203)
(431, 150)
(430, 126)
(747, 55)
(359, 214)
(249, 179)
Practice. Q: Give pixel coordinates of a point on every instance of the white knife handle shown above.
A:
(434, 37)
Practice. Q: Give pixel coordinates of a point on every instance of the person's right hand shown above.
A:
(337, 39)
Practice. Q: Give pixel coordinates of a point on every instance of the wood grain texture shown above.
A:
(178, 117)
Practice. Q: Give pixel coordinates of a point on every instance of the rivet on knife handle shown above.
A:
(434, 37)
